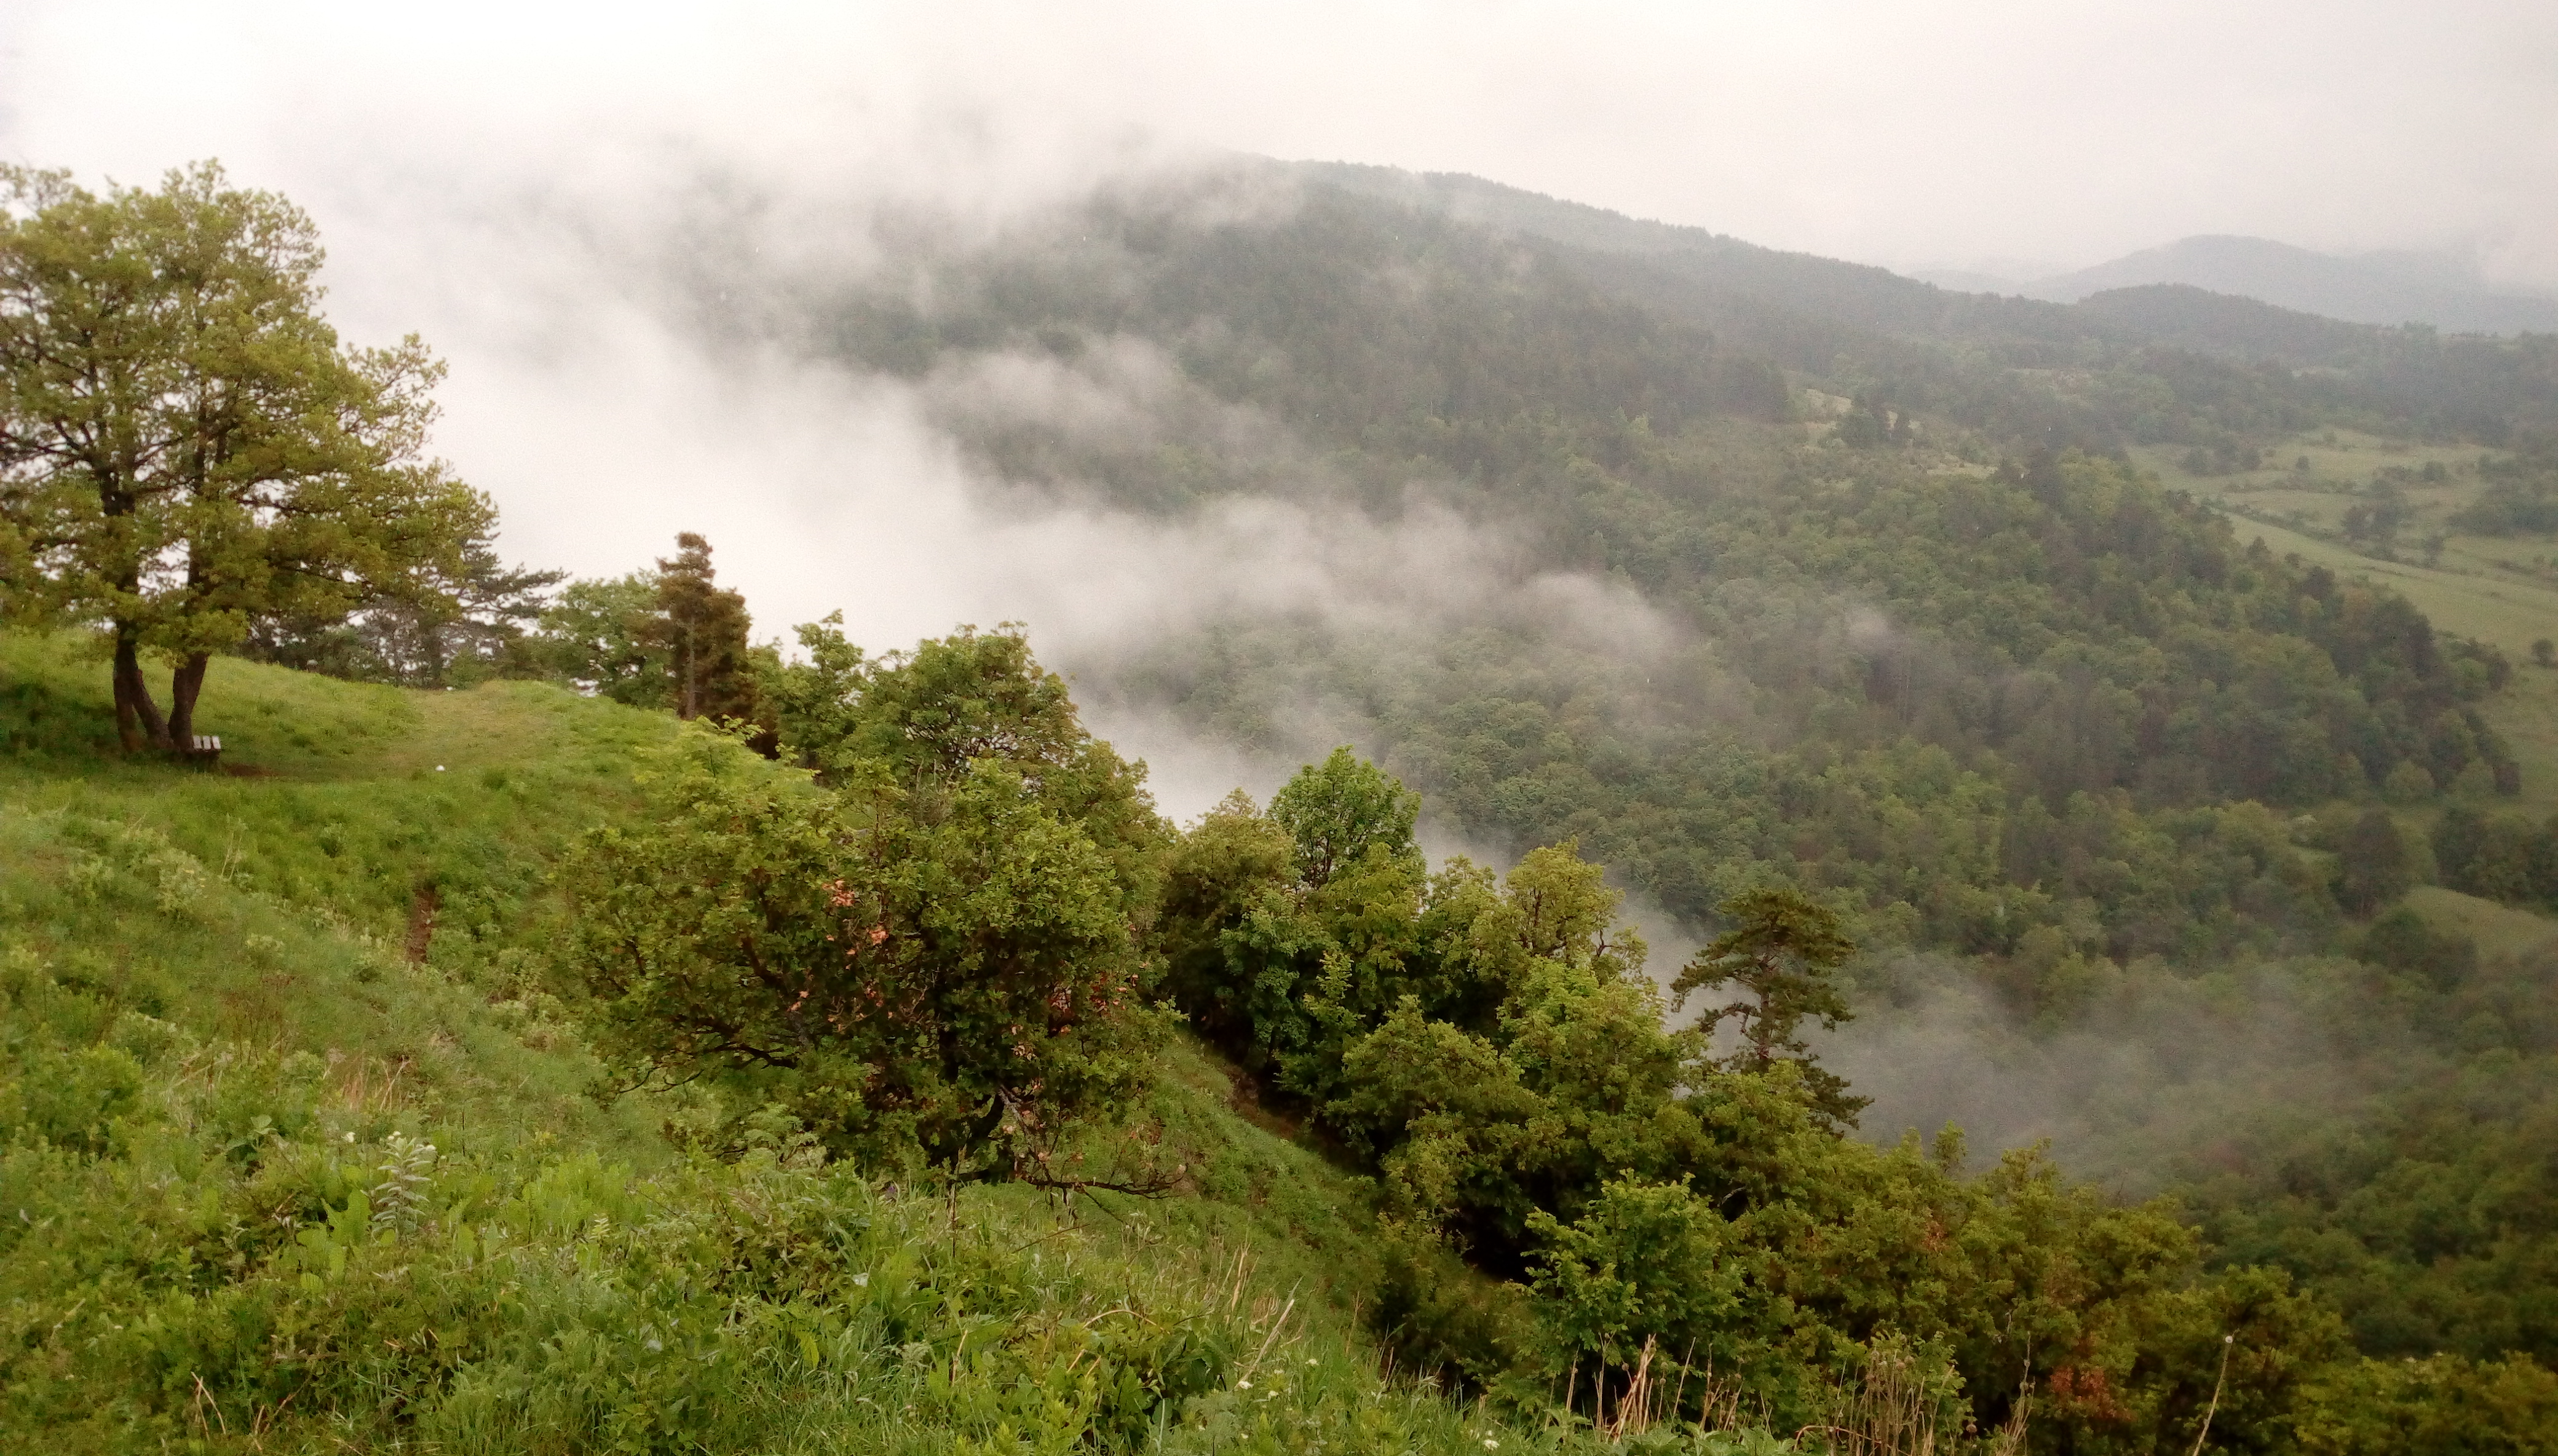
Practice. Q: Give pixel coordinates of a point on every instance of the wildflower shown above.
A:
(1243, 1385)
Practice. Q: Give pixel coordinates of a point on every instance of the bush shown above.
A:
(955, 983)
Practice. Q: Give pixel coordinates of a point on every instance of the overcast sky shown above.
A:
(2040, 132)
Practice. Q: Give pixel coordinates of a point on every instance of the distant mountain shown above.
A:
(2186, 317)
(1939, 339)
(2385, 288)
(1761, 295)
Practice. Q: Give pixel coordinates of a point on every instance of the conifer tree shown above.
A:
(1781, 953)
(701, 628)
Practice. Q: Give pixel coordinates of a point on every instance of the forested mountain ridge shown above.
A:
(1806, 311)
(1925, 642)
(2385, 288)
(2053, 627)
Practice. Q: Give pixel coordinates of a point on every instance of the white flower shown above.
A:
(861, 1281)
(1243, 1385)
(1491, 1445)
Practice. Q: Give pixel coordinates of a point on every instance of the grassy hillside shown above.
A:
(300, 1151)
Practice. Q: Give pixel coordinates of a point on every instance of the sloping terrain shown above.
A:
(1963, 631)
(298, 1149)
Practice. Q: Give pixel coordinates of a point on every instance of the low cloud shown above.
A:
(2154, 1079)
(608, 394)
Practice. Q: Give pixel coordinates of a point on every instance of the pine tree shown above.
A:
(701, 628)
(1780, 953)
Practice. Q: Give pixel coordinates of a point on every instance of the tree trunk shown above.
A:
(691, 703)
(184, 686)
(432, 648)
(138, 724)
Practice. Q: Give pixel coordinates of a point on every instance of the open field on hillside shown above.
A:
(2499, 929)
(2499, 590)
(2503, 590)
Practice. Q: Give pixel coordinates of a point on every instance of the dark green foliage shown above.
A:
(596, 637)
(452, 628)
(1213, 877)
(1364, 323)
(2441, 1406)
(2408, 1172)
(700, 628)
(2521, 499)
(2501, 856)
(267, 1183)
(1491, 1050)
(1341, 812)
(1870, 425)
(671, 638)
(2106, 667)
(186, 447)
(934, 952)
(930, 719)
(2042, 714)
(1800, 683)
(2374, 867)
(2079, 673)
(1286, 939)
(2401, 940)
(1489, 1047)
(816, 702)
(1538, 1067)
(1783, 954)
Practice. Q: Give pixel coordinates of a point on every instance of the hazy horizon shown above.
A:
(2052, 137)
